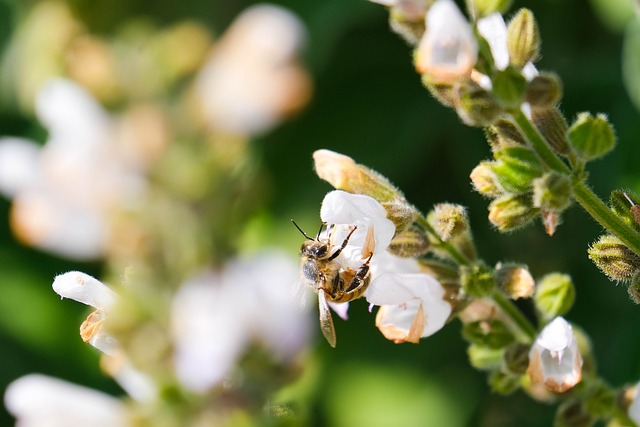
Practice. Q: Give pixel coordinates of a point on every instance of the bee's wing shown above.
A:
(326, 321)
(301, 294)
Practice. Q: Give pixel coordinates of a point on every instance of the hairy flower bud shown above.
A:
(477, 107)
(516, 168)
(552, 191)
(573, 413)
(515, 280)
(411, 242)
(449, 220)
(503, 133)
(592, 137)
(406, 18)
(345, 174)
(446, 93)
(552, 125)
(554, 295)
(484, 358)
(509, 86)
(477, 280)
(614, 259)
(484, 180)
(516, 358)
(523, 38)
(544, 90)
(510, 212)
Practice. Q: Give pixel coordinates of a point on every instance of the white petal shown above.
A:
(494, 30)
(341, 309)
(71, 115)
(19, 165)
(39, 401)
(556, 336)
(85, 289)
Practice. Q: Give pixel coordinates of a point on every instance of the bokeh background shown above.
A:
(368, 103)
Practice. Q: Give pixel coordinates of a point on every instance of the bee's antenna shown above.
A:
(322, 224)
(300, 230)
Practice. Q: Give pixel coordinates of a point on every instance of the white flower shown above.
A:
(494, 31)
(448, 49)
(215, 316)
(86, 289)
(252, 79)
(554, 358)
(412, 302)
(634, 408)
(38, 401)
(62, 191)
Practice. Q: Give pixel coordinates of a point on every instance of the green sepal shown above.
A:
(516, 168)
(509, 86)
(591, 137)
(554, 295)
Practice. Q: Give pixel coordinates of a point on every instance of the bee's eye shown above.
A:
(320, 251)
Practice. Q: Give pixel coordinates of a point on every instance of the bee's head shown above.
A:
(315, 249)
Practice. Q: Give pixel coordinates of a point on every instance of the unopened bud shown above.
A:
(592, 137)
(552, 191)
(477, 107)
(554, 295)
(503, 133)
(449, 220)
(411, 242)
(523, 38)
(544, 91)
(484, 180)
(446, 93)
(477, 280)
(509, 87)
(515, 281)
(516, 358)
(488, 333)
(552, 125)
(510, 212)
(614, 259)
(625, 205)
(482, 8)
(484, 358)
(345, 174)
(600, 399)
(572, 413)
(516, 169)
(503, 383)
(634, 288)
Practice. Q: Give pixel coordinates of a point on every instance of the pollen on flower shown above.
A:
(92, 326)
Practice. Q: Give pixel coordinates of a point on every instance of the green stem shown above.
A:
(591, 203)
(518, 319)
(455, 254)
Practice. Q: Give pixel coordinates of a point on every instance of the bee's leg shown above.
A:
(344, 244)
(359, 276)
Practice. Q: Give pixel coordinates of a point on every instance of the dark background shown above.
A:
(369, 104)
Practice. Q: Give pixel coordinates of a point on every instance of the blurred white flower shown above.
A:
(634, 408)
(252, 79)
(554, 358)
(448, 50)
(412, 303)
(86, 289)
(38, 401)
(62, 191)
(217, 314)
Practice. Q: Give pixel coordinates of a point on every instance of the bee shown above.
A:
(333, 283)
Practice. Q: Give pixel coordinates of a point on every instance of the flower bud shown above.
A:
(516, 168)
(544, 90)
(552, 125)
(552, 191)
(449, 220)
(446, 93)
(515, 280)
(554, 295)
(502, 134)
(510, 212)
(411, 242)
(634, 288)
(482, 8)
(523, 38)
(625, 205)
(488, 333)
(484, 180)
(345, 174)
(516, 358)
(476, 280)
(592, 137)
(484, 358)
(503, 383)
(477, 107)
(572, 413)
(406, 18)
(614, 259)
(509, 86)
(600, 399)
(448, 50)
